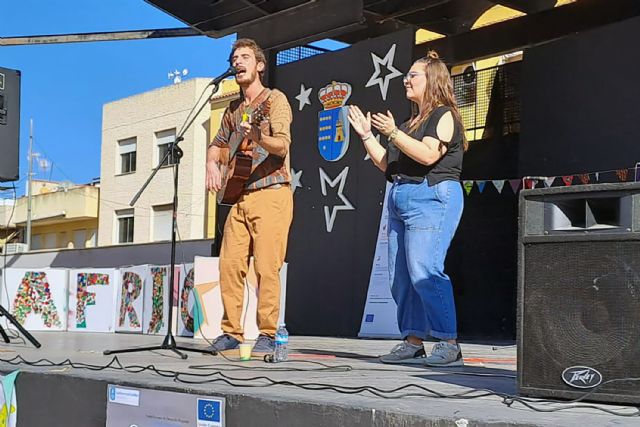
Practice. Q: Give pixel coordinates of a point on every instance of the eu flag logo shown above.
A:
(209, 413)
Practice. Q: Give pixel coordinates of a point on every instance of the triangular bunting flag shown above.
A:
(584, 178)
(637, 174)
(623, 174)
(515, 184)
(529, 183)
(468, 185)
(481, 185)
(499, 184)
(567, 179)
(548, 182)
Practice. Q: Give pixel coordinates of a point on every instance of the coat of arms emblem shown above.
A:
(333, 125)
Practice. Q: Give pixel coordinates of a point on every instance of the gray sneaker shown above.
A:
(225, 342)
(444, 354)
(264, 344)
(405, 352)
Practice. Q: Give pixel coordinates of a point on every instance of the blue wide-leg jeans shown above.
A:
(422, 222)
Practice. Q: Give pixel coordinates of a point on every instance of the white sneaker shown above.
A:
(444, 354)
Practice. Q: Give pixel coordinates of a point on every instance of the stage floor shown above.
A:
(305, 391)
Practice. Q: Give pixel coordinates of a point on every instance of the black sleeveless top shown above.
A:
(448, 167)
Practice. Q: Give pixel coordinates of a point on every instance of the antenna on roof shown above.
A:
(177, 75)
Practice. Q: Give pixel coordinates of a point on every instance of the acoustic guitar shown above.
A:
(237, 169)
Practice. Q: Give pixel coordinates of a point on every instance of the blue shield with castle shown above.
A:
(333, 125)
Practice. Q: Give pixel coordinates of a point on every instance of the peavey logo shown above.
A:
(581, 377)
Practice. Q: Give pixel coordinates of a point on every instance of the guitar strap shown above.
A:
(234, 145)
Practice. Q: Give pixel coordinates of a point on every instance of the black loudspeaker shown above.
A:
(9, 123)
(579, 293)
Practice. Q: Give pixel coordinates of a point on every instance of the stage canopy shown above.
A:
(280, 24)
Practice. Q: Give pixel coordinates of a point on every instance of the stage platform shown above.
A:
(67, 396)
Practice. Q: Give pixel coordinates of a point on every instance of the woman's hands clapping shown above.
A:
(385, 123)
(360, 123)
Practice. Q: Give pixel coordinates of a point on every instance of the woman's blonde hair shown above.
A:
(438, 91)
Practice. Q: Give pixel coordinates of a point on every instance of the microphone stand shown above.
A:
(176, 154)
(14, 322)
(3, 311)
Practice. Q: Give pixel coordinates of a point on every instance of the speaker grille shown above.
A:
(581, 307)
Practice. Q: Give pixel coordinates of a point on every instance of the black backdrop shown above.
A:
(581, 103)
(482, 259)
(329, 272)
(579, 112)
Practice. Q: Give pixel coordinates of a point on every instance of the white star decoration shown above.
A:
(387, 61)
(303, 97)
(295, 180)
(368, 157)
(347, 206)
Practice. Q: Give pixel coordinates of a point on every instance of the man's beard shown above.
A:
(248, 77)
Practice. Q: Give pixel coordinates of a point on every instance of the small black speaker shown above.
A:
(579, 293)
(9, 124)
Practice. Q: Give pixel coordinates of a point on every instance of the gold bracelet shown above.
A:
(394, 133)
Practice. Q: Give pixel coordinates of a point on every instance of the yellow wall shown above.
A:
(56, 215)
(423, 36)
(64, 233)
(77, 202)
(39, 186)
(7, 224)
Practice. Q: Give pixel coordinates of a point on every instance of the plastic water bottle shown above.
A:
(282, 340)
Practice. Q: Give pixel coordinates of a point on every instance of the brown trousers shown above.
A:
(258, 224)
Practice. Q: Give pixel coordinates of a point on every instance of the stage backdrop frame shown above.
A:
(338, 192)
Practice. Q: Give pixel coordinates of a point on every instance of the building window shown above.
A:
(163, 141)
(79, 239)
(92, 241)
(50, 241)
(127, 149)
(36, 242)
(124, 226)
(161, 223)
(63, 241)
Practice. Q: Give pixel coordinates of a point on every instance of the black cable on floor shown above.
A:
(264, 381)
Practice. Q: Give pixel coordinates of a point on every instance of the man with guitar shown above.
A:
(252, 149)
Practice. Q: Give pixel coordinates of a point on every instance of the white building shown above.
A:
(136, 132)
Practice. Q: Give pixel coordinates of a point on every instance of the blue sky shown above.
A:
(64, 86)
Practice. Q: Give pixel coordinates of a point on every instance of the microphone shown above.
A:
(231, 71)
